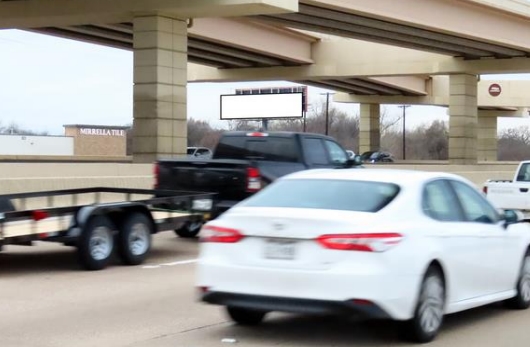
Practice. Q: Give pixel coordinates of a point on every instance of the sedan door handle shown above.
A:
(523, 190)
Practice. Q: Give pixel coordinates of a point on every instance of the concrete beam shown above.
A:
(470, 19)
(519, 7)
(336, 58)
(520, 112)
(37, 13)
(412, 84)
(340, 58)
(513, 95)
(256, 37)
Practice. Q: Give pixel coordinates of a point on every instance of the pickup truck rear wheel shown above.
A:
(135, 238)
(190, 229)
(245, 316)
(96, 243)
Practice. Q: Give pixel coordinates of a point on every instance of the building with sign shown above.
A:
(98, 140)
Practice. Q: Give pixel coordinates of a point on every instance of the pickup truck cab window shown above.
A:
(476, 208)
(440, 203)
(282, 149)
(336, 153)
(316, 153)
(524, 173)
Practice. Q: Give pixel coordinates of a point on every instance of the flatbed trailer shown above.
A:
(99, 229)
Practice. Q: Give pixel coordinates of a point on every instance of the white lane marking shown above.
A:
(181, 262)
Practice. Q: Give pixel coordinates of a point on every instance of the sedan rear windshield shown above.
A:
(345, 195)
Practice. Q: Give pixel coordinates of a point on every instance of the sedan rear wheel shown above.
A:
(245, 316)
(429, 313)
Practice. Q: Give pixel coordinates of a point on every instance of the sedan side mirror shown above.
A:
(512, 216)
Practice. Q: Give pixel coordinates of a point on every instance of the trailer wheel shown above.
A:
(190, 229)
(135, 238)
(96, 243)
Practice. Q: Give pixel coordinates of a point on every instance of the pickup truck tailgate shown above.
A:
(227, 177)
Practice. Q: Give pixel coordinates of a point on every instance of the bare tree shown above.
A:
(388, 123)
(15, 129)
(244, 125)
(342, 126)
(429, 141)
(514, 144)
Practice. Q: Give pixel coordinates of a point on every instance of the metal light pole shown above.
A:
(327, 111)
(404, 107)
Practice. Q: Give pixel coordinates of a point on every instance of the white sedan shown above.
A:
(393, 244)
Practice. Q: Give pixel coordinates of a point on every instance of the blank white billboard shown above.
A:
(261, 106)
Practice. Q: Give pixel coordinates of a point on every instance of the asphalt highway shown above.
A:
(47, 300)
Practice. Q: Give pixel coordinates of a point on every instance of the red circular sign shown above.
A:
(495, 89)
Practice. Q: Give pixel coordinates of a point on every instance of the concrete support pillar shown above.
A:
(369, 128)
(160, 78)
(463, 119)
(487, 137)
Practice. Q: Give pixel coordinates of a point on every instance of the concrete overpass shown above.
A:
(368, 53)
(513, 101)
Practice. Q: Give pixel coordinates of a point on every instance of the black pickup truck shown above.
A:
(245, 162)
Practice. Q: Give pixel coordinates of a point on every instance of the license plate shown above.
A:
(280, 249)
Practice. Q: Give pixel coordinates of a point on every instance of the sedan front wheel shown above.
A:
(521, 300)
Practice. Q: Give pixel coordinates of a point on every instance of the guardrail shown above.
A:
(64, 159)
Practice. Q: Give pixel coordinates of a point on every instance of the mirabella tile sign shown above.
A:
(102, 132)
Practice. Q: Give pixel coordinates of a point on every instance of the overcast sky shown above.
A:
(46, 82)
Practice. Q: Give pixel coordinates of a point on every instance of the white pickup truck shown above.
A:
(511, 194)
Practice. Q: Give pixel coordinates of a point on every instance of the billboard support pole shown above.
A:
(265, 124)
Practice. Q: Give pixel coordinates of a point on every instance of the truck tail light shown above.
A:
(257, 134)
(253, 180)
(38, 215)
(373, 242)
(485, 189)
(212, 233)
(156, 173)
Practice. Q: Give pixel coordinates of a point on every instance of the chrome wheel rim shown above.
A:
(101, 243)
(431, 304)
(525, 280)
(139, 239)
(194, 226)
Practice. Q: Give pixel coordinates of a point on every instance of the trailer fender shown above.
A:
(114, 211)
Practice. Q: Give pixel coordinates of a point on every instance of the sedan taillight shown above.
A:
(212, 233)
(373, 242)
